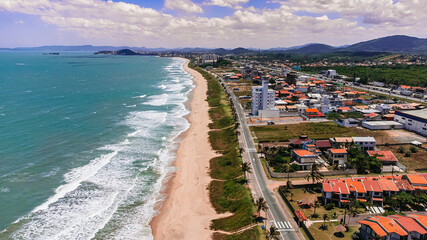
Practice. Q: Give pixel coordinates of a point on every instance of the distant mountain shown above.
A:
(313, 48)
(223, 51)
(397, 43)
(288, 48)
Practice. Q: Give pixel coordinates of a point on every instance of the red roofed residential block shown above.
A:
(313, 113)
(409, 224)
(394, 227)
(386, 157)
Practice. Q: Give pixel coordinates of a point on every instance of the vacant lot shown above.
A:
(417, 160)
(281, 133)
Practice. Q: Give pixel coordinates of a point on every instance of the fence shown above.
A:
(304, 228)
(303, 174)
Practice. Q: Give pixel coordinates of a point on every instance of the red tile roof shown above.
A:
(374, 226)
(355, 186)
(323, 144)
(387, 156)
(372, 186)
(403, 185)
(337, 151)
(416, 179)
(409, 224)
(388, 185)
(304, 153)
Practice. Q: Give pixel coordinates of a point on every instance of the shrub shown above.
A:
(401, 150)
(329, 206)
(408, 153)
(413, 149)
(294, 167)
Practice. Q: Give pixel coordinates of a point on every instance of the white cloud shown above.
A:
(227, 3)
(129, 24)
(183, 5)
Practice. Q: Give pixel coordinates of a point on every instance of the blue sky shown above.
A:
(206, 23)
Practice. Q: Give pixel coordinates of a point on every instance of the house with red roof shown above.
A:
(335, 191)
(313, 113)
(393, 227)
(386, 157)
(412, 225)
(374, 191)
(357, 189)
(305, 159)
(337, 155)
(418, 181)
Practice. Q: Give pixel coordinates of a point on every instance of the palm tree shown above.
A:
(289, 185)
(292, 195)
(261, 204)
(241, 150)
(316, 205)
(325, 218)
(273, 233)
(246, 167)
(286, 169)
(314, 174)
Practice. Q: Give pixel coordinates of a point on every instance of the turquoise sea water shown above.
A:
(85, 142)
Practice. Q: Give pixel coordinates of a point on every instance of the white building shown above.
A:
(366, 143)
(415, 121)
(263, 100)
(208, 58)
(331, 73)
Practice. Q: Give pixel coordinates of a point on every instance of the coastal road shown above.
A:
(386, 93)
(278, 217)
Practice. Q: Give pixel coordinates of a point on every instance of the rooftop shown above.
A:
(363, 139)
(304, 153)
(387, 156)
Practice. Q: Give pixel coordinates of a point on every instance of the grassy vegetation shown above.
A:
(415, 161)
(229, 192)
(329, 233)
(414, 75)
(281, 133)
(250, 234)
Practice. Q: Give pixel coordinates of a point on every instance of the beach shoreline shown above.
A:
(186, 212)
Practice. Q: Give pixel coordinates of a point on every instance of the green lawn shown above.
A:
(282, 133)
(318, 233)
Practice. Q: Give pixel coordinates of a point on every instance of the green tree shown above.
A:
(315, 175)
(325, 218)
(403, 200)
(413, 149)
(261, 204)
(316, 204)
(401, 149)
(273, 234)
(246, 168)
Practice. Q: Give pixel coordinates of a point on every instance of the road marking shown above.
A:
(283, 225)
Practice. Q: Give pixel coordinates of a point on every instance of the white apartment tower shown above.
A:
(262, 98)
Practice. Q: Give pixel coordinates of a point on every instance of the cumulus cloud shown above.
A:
(227, 3)
(129, 24)
(183, 5)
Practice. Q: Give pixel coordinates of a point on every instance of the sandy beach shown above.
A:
(187, 212)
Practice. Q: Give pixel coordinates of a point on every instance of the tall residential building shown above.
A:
(262, 98)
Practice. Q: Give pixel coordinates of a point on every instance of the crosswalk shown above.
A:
(375, 209)
(285, 225)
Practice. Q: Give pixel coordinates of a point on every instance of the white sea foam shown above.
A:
(140, 96)
(114, 195)
(157, 100)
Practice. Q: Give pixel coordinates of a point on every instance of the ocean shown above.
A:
(86, 142)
